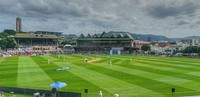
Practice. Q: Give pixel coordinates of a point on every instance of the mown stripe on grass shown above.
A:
(2, 59)
(170, 65)
(172, 72)
(139, 72)
(176, 72)
(172, 61)
(175, 59)
(76, 58)
(183, 73)
(8, 71)
(193, 77)
(30, 75)
(145, 80)
(194, 73)
(172, 69)
(110, 84)
(178, 80)
(75, 83)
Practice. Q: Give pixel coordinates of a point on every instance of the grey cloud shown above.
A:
(77, 11)
(182, 23)
(198, 22)
(194, 25)
(86, 15)
(162, 10)
(45, 8)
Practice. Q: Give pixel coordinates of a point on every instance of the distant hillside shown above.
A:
(152, 37)
(189, 37)
(144, 37)
(193, 37)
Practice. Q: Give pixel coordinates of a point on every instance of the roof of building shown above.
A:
(47, 32)
(88, 36)
(107, 35)
(36, 36)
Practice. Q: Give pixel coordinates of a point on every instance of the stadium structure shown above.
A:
(39, 41)
(18, 24)
(105, 43)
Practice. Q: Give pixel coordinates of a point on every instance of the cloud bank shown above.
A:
(172, 18)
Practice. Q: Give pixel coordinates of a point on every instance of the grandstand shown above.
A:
(58, 34)
(105, 43)
(37, 42)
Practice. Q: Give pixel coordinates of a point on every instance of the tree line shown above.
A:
(7, 39)
(190, 49)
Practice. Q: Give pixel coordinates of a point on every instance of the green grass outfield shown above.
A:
(143, 76)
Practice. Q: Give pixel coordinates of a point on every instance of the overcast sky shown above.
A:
(172, 18)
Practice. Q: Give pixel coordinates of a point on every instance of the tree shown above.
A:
(9, 31)
(191, 49)
(145, 47)
(6, 40)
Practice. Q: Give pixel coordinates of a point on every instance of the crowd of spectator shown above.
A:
(36, 44)
(10, 53)
(5, 54)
